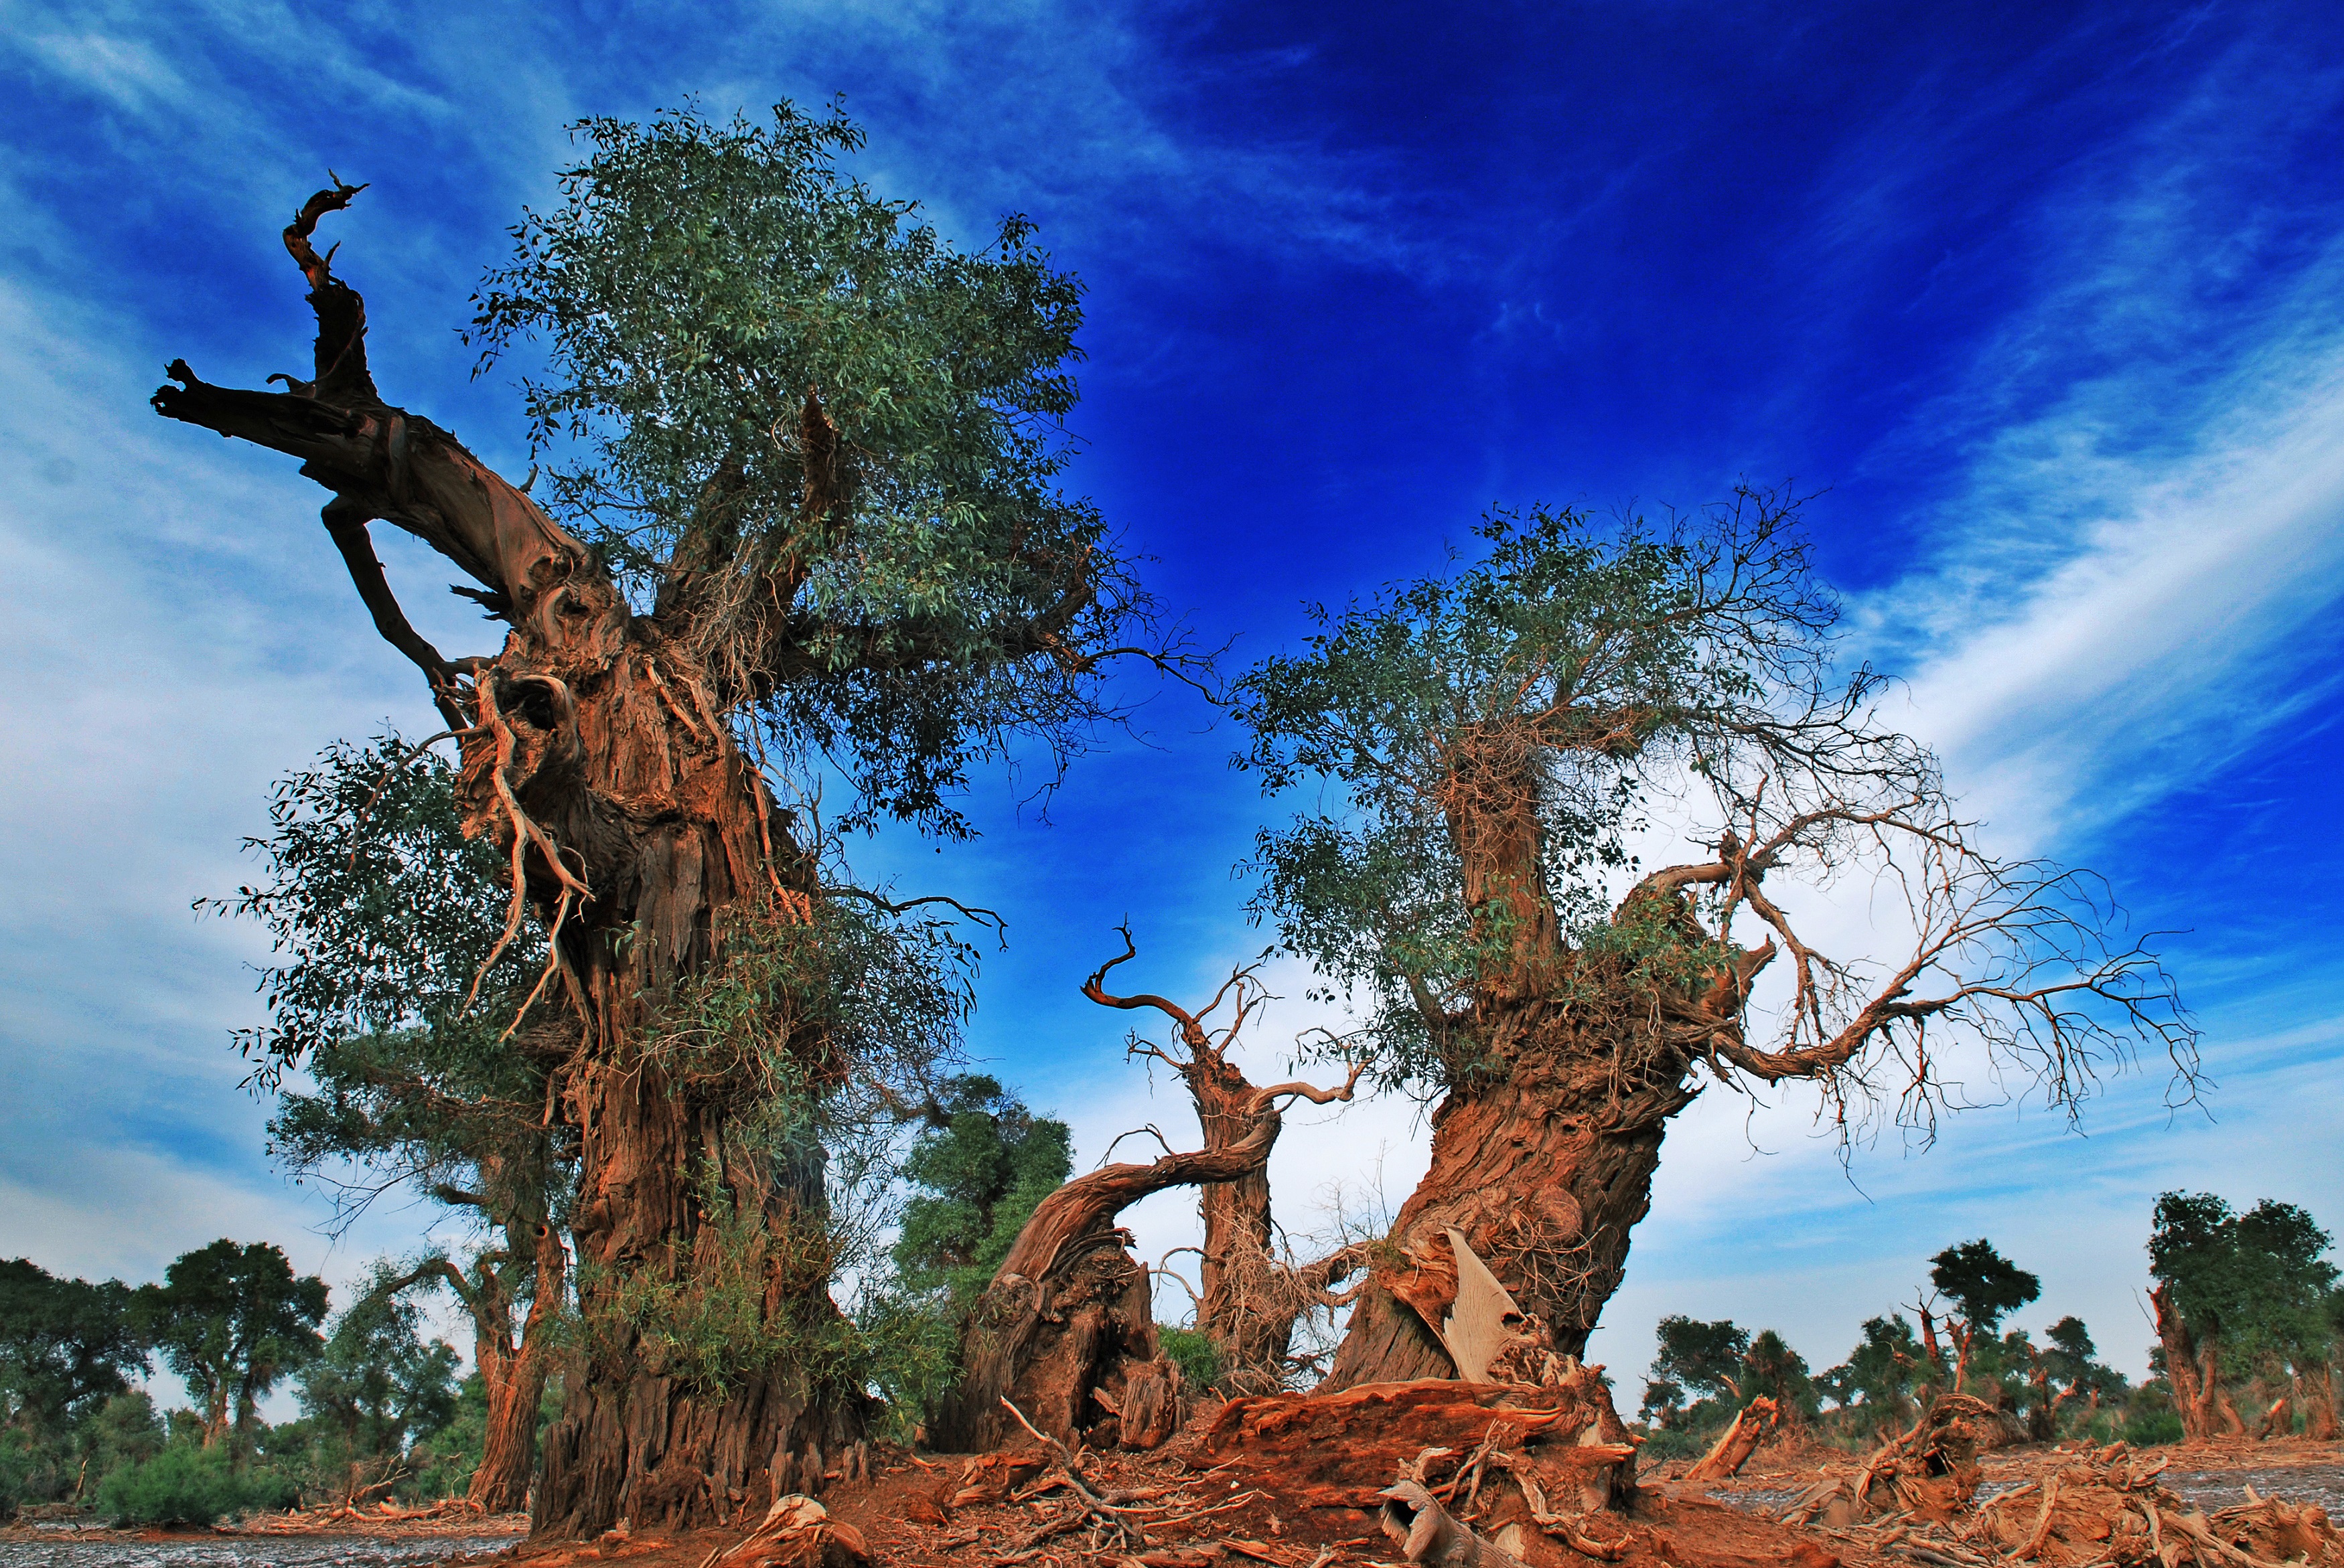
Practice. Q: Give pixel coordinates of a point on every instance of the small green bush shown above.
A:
(180, 1485)
(1199, 1359)
(2145, 1426)
(1663, 1444)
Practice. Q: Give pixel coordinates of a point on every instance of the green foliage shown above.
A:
(182, 1484)
(232, 1321)
(384, 913)
(2149, 1416)
(66, 1346)
(1983, 1286)
(1705, 1359)
(2259, 1283)
(974, 1174)
(380, 910)
(1882, 1375)
(1540, 689)
(1199, 1359)
(378, 1384)
(980, 1169)
(886, 995)
(1722, 1367)
(1771, 1367)
(696, 279)
(125, 1431)
(751, 1299)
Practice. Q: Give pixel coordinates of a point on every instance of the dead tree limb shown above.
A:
(1251, 1297)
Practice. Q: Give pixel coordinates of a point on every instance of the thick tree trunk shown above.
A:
(1545, 1173)
(594, 758)
(2195, 1373)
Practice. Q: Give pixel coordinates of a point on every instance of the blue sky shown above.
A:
(2049, 301)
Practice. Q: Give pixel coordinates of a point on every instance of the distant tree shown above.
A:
(1985, 1288)
(232, 1320)
(391, 986)
(1882, 1374)
(378, 1385)
(2233, 1288)
(1770, 1368)
(1483, 748)
(2066, 1369)
(978, 1168)
(66, 1346)
(1704, 1360)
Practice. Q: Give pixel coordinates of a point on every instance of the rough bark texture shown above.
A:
(2317, 1397)
(1737, 1442)
(1250, 1299)
(1546, 1173)
(1342, 1450)
(2194, 1368)
(1069, 1314)
(1562, 1078)
(593, 759)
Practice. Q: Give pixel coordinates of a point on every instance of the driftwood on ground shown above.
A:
(1930, 1471)
(2101, 1509)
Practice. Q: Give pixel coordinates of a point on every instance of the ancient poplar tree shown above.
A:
(801, 517)
(1485, 748)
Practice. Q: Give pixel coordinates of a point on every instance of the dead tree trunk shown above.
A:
(2318, 1401)
(1737, 1442)
(1250, 1298)
(1068, 1315)
(593, 759)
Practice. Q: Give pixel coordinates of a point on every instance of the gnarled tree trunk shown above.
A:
(1069, 1314)
(593, 758)
(1545, 1173)
(1251, 1299)
(2194, 1368)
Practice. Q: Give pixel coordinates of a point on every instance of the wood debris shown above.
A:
(797, 1532)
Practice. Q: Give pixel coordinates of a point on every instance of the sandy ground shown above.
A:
(1192, 1514)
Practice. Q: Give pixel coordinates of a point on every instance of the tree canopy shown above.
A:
(378, 1384)
(2259, 1281)
(232, 1320)
(1703, 1359)
(1492, 740)
(898, 599)
(1983, 1286)
(66, 1345)
(979, 1169)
